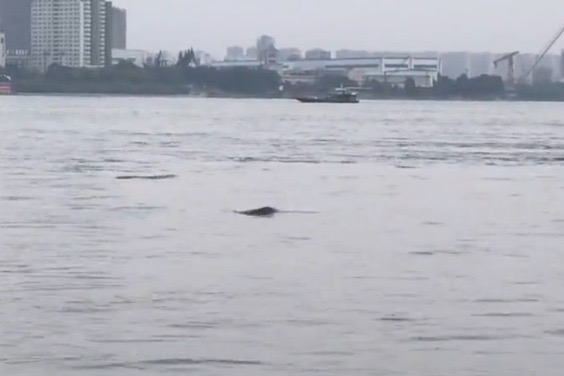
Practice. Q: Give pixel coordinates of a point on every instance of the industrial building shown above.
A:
(392, 70)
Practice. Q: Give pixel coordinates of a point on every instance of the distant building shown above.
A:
(352, 54)
(542, 75)
(455, 64)
(552, 62)
(97, 32)
(83, 44)
(136, 57)
(203, 58)
(2, 50)
(15, 22)
(109, 37)
(562, 66)
(235, 64)
(523, 64)
(264, 42)
(392, 70)
(235, 53)
(118, 21)
(251, 53)
(288, 54)
(481, 63)
(266, 49)
(317, 54)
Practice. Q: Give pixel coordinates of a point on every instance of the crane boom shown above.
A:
(505, 57)
(510, 65)
(543, 52)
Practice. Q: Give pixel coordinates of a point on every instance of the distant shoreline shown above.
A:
(126, 79)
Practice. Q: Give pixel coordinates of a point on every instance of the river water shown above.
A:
(435, 246)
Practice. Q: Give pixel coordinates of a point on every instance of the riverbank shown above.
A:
(165, 91)
(126, 79)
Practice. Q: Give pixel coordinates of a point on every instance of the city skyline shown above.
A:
(434, 25)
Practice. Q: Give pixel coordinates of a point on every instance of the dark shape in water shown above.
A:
(266, 211)
(151, 177)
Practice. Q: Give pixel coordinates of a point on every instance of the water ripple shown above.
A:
(437, 237)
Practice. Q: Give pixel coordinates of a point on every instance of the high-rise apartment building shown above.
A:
(68, 32)
(15, 23)
(266, 49)
(97, 32)
(235, 53)
(118, 19)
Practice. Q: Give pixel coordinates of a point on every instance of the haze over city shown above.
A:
(415, 25)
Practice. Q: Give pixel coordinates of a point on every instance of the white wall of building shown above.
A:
(2, 50)
(393, 70)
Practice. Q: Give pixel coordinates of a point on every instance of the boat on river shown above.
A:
(341, 95)
(5, 85)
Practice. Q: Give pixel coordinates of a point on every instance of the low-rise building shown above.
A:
(236, 64)
(137, 57)
(317, 54)
(203, 58)
(288, 54)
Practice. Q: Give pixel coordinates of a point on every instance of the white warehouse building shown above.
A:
(393, 70)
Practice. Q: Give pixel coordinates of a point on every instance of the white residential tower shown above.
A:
(68, 32)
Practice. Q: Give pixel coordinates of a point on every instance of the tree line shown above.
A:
(186, 76)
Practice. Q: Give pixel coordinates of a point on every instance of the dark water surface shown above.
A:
(436, 247)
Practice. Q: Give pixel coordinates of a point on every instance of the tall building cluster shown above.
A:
(73, 33)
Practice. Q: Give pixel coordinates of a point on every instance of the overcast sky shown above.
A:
(397, 25)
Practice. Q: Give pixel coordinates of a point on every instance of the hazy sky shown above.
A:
(416, 25)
